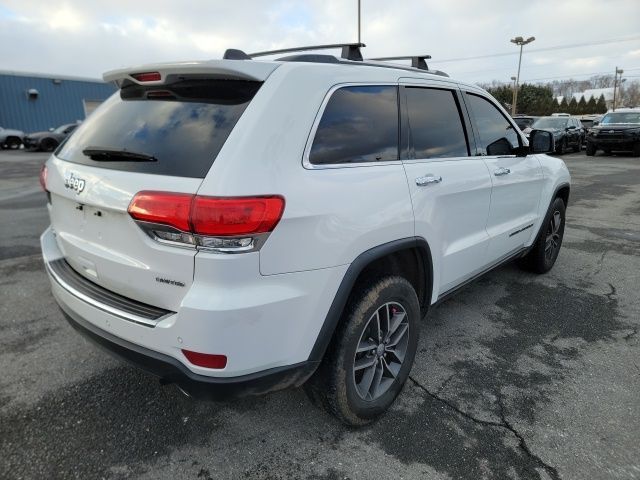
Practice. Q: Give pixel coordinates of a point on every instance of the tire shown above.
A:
(48, 145)
(544, 253)
(636, 150)
(607, 151)
(562, 148)
(578, 146)
(591, 149)
(13, 143)
(338, 385)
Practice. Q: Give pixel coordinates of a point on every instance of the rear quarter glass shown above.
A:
(183, 125)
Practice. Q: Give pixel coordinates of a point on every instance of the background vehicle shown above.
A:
(588, 121)
(567, 132)
(524, 122)
(619, 130)
(49, 141)
(11, 139)
(309, 253)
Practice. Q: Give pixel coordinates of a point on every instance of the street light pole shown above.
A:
(521, 42)
(359, 21)
(513, 93)
(615, 84)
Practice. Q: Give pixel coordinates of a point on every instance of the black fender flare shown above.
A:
(349, 279)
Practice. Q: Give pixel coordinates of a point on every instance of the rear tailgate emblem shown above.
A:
(74, 183)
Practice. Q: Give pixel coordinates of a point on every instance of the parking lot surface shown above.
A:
(517, 376)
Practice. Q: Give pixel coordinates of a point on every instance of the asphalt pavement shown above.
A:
(517, 376)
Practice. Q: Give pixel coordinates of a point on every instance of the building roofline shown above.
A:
(51, 76)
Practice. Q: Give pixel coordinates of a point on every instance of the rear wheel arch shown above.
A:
(563, 193)
(409, 258)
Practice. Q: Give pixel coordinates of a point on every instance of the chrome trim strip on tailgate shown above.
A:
(103, 299)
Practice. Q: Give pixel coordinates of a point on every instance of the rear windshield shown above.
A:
(182, 126)
(523, 122)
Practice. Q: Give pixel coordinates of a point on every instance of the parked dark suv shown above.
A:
(567, 132)
(618, 130)
(48, 141)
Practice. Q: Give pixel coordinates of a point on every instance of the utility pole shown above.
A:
(618, 71)
(521, 42)
(359, 39)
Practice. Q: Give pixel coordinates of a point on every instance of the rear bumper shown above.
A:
(170, 370)
(266, 325)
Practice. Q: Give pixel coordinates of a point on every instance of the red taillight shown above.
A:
(211, 216)
(43, 177)
(147, 76)
(207, 360)
(235, 216)
(162, 207)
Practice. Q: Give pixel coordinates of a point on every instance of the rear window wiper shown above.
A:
(106, 154)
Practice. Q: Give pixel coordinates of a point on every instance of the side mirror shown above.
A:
(595, 122)
(541, 141)
(51, 129)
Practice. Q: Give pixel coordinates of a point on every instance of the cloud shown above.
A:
(87, 38)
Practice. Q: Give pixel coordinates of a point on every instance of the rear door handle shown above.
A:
(427, 180)
(502, 171)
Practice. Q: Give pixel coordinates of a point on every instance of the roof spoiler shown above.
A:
(156, 74)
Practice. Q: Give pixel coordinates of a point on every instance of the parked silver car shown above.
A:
(11, 139)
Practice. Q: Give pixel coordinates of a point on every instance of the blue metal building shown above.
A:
(33, 102)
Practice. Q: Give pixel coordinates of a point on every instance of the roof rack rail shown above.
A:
(417, 61)
(350, 51)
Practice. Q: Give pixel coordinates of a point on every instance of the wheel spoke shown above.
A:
(399, 354)
(364, 362)
(377, 378)
(557, 219)
(398, 335)
(366, 345)
(396, 321)
(367, 379)
(392, 368)
(548, 244)
(378, 325)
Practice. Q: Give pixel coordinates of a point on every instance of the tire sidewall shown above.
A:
(557, 206)
(392, 289)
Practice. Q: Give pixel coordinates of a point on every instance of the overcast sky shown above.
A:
(86, 38)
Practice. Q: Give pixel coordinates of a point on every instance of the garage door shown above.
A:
(90, 106)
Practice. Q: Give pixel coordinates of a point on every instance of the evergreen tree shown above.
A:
(591, 105)
(564, 105)
(582, 106)
(601, 106)
(573, 106)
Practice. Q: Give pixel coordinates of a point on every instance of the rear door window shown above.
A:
(182, 125)
(359, 124)
(435, 125)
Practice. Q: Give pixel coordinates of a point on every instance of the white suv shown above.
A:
(240, 226)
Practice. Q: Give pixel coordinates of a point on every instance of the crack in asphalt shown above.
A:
(612, 293)
(445, 383)
(631, 334)
(505, 424)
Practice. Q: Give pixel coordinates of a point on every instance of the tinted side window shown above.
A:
(496, 135)
(359, 124)
(435, 126)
